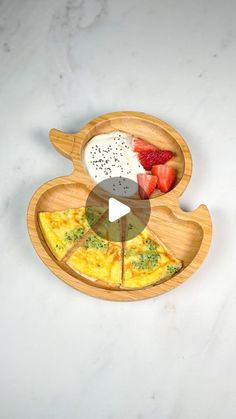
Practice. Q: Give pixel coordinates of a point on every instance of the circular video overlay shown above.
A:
(113, 211)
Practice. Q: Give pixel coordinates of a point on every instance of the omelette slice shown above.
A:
(146, 260)
(99, 258)
(62, 229)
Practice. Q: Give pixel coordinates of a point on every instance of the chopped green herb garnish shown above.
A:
(106, 223)
(130, 226)
(96, 243)
(172, 269)
(90, 216)
(74, 235)
(129, 252)
(59, 246)
(151, 245)
(146, 261)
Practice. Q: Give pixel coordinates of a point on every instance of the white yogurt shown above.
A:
(111, 155)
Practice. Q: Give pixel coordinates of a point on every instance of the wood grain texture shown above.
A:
(187, 234)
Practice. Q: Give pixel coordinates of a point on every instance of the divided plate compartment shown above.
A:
(186, 234)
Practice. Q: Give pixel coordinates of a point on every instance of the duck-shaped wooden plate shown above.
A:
(78, 244)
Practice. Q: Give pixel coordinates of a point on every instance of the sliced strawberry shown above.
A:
(155, 169)
(147, 184)
(142, 145)
(165, 177)
(151, 158)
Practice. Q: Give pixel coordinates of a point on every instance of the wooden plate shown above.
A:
(187, 234)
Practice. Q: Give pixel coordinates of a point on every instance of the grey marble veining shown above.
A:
(66, 355)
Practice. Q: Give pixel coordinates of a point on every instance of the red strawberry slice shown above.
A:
(147, 184)
(141, 145)
(150, 158)
(165, 177)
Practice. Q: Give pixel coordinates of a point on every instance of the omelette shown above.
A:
(146, 260)
(62, 229)
(98, 258)
(102, 254)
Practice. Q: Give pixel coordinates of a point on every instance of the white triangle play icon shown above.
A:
(117, 210)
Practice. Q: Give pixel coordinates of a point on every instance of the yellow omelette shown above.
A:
(62, 229)
(99, 257)
(146, 260)
(135, 263)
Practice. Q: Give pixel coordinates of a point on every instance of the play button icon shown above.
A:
(123, 215)
(117, 210)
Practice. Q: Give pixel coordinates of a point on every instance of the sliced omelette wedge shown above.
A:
(99, 258)
(62, 229)
(146, 260)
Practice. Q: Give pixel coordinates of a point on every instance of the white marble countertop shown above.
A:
(67, 355)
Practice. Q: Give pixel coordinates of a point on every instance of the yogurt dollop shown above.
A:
(111, 155)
